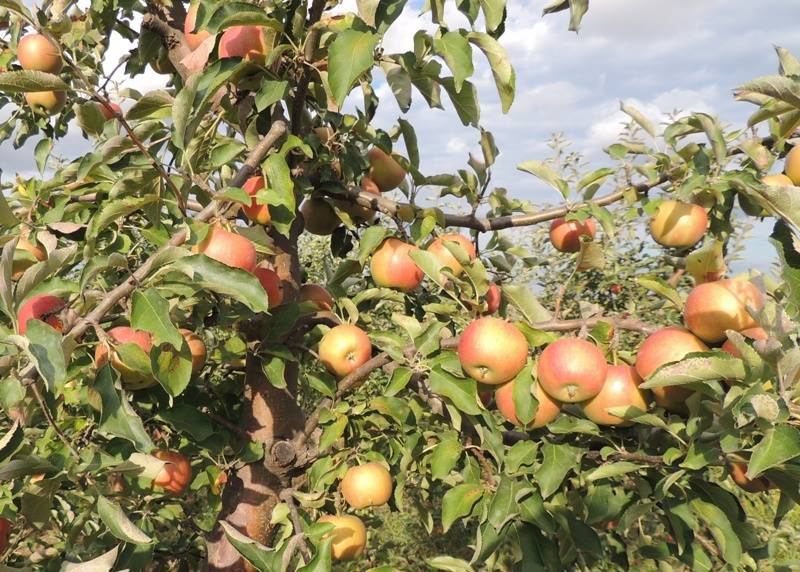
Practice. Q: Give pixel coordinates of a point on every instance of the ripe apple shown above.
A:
(316, 294)
(246, 42)
(492, 351)
(572, 370)
(392, 267)
(125, 335)
(319, 216)
(792, 165)
(349, 536)
(110, 111)
(493, 297)
(439, 249)
(193, 39)
(39, 306)
(738, 472)
(46, 102)
(37, 52)
(5, 531)
(778, 180)
(367, 485)
(22, 263)
(228, 248)
(620, 389)
(665, 346)
(271, 282)
(548, 408)
(384, 170)
(197, 347)
(256, 212)
(678, 224)
(176, 474)
(714, 307)
(344, 348)
(566, 235)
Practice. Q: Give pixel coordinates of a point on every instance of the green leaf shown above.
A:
(525, 404)
(280, 198)
(558, 460)
(612, 470)
(271, 91)
(182, 109)
(462, 392)
(118, 523)
(465, 101)
(332, 432)
(46, 352)
(697, 367)
(29, 80)
(117, 417)
(458, 502)
(89, 117)
(116, 209)
(187, 418)
(660, 287)
(229, 14)
(449, 564)
(172, 366)
(39, 272)
(103, 563)
(720, 526)
(503, 72)
(524, 300)
(789, 255)
(350, 55)
(263, 558)
(457, 54)
(6, 285)
(322, 559)
(504, 503)
(274, 369)
(639, 118)
(545, 172)
(217, 277)
(150, 312)
(445, 456)
(430, 265)
(493, 13)
(371, 238)
(399, 82)
(23, 465)
(779, 445)
(152, 105)
(11, 441)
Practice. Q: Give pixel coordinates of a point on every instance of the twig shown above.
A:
(228, 425)
(52, 422)
(287, 496)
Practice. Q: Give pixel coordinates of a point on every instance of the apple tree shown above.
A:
(179, 391)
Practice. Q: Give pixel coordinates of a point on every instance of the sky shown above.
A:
(656, 55)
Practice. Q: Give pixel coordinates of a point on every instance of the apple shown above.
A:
(125, 335)
(5, 531)
(492, 351)
(392, 267)
(193, 39)
(22, 263)
(751, 333)
(778, 180)
(665, 346)
(316, 294)
(110, 111)
(273, 285)
(384, 170)
(677, 224)
(344, 348)
(713, 307)
(256, 212)
(176, 474)
(566, 235)
(572, 370)
(38, 307)
(228, 248)
(792, 165)
(738, 472)
(493, 297)
(358, 213)
(246, 42)
(46, 102)
(324, 133)
(620, 389)
(548, 408)
(197, 347)
(319, 216)
(439, 249)
(349, 536)
(367, 485)
(37, 52)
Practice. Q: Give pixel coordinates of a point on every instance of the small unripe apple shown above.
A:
(46, 102)
(367, 485)
(677, 224)
(256, 212)
(319, 216)
(228, 248)
(37, 52)
(492, 351)
(384, 170)
(193, 39)
(197, 347)
(665, 346)
(738, 472)
(714, 307)
(344, 349)
(392, 267)
(572, 370)
(38, 307)
(131, 379)
(439, 249)
(566, 235)
(548, 408)
(110, 111)
(272, 284)
(316, 294)
(792, 165)
(22, 263)
(176, 474)
(493, 297)
(246, 42)
(620, 389)
(349, 536)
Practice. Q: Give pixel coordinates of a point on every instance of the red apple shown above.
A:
(110, 111)
(125, 335)
(197, 347)
(392, 267)
(344, 349)
(246, 42)
(5, 531)
(738, 472)
(548, 408)
(349, 536)
(38, 307)
(439, 249)
(176, 474)
(492, 351)
(228, 248)
(566, 235)
(193, 39)
(256, 212)
(316, 294)
(37, 52)
(620, 389)
(792, 165)
(714, 307)
(572, 370)
(493, 297)
(271, 282)
(384, 170)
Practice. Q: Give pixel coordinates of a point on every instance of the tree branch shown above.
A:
(287, 496)
(52, 422)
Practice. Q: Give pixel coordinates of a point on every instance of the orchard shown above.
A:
(246, 331)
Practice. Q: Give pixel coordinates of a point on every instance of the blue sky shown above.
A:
(657, 55)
